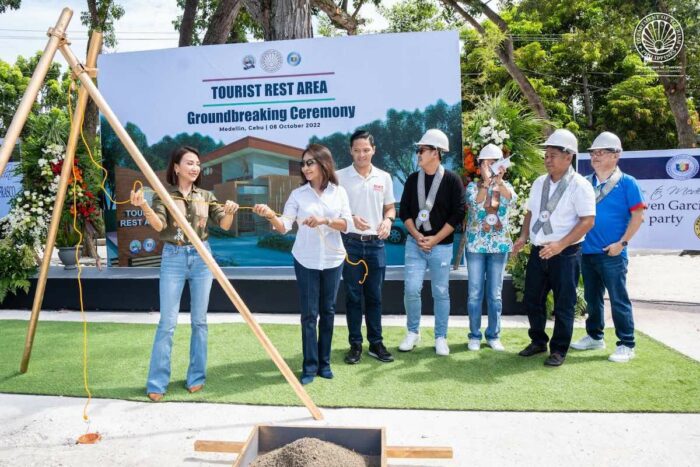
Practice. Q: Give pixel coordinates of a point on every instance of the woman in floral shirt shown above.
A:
(488, 245)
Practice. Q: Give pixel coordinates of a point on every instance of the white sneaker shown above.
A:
(474, 344)
(496, 345)
(588, 343)
(441, 347)
(409, 342)
(623, 354)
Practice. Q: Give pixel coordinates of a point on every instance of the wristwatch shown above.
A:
(624, 243)
(392, 219)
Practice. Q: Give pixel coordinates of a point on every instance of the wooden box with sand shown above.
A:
(318, 446)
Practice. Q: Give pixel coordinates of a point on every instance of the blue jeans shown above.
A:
(180, 263)
(559, 274)
(485, 273)
(602, 272)
(375, 256)
(416, 262)
(318, 290)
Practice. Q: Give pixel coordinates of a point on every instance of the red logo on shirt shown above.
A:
(379, 188)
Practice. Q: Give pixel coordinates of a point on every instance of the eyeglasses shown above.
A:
(308, 163)
(601, 152)
(421, 150)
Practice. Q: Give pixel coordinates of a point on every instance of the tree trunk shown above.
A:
(282, 19)
(675, 88)
(505, 54)
(587, 103)
(92, 116)
(339, 15)
(187, 24)
(678, 102)
(221, 22)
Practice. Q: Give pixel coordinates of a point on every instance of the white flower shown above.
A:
(503, 134)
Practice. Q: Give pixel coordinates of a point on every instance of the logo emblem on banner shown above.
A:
(149, 245)
(135, 247)
(697, 227)
(248, 62)
(294, 58)
(658, 37)
(682, 167)
(271, 60)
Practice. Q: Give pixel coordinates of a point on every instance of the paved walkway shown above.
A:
(41, 430)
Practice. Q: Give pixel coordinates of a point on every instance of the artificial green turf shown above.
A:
(657, 380)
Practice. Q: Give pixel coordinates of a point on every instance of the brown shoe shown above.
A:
(155, 396)
(196, 388)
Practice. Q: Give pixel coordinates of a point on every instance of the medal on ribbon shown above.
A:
(423, 215)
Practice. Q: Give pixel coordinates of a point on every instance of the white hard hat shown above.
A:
(607, 140)
(563, 139)
(490, 151)
(435, 138)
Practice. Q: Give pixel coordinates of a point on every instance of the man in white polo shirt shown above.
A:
(561, 209)
(371, 194)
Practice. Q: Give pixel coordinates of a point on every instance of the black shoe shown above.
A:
(354, 354)
(532, 349)
(555, 359)
(380, 352)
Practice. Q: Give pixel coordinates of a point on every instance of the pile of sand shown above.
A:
(312, 452)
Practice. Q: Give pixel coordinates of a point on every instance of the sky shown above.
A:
(146, 25)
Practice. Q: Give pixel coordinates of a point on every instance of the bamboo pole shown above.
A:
(189, 231)
(56, 36)
(81, 104)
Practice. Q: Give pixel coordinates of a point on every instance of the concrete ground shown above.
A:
(41, 430)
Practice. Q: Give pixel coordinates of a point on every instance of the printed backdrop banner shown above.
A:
(670, 180)
(250, 109)
(10, 186)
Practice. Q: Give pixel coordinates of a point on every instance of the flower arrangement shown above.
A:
(23, 231)
(30, 211)
(492, 131)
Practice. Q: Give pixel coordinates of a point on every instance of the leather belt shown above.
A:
(362, 238)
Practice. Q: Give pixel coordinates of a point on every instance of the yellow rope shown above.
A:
(86, 418)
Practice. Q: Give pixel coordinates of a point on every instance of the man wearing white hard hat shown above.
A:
(560, 210)
(488, 245)
(432, 206)
(619, 214)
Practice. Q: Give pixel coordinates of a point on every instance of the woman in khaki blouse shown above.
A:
(180, 263)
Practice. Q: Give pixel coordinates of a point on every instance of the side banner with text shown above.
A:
(251, 109)
(670, 180)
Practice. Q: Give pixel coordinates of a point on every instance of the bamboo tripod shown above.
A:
(59, 42)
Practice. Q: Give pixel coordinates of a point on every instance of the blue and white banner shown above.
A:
(251, 109)
(670, 180)
(10, 185)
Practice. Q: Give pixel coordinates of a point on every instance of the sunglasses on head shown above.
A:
(421, 150)
(308, 163)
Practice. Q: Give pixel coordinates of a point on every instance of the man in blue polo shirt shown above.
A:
(619, 214)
